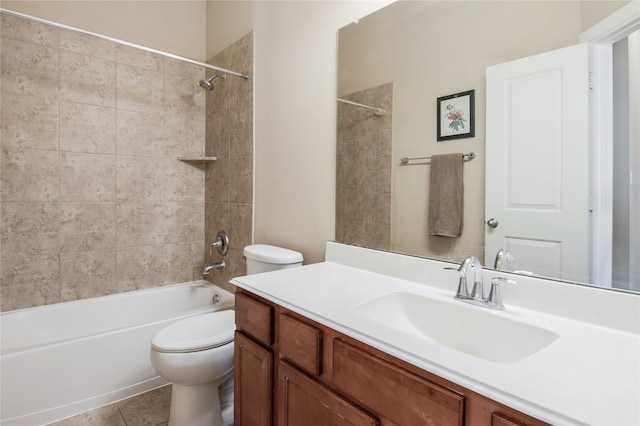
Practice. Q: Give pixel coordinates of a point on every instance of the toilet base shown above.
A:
(195, 405)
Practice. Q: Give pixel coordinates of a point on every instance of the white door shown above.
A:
(537, 163)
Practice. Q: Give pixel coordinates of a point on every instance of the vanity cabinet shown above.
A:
(292, 371)
(253, 362)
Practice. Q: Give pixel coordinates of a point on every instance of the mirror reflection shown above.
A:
(404, 57)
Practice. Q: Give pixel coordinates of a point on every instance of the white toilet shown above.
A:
(196, 354)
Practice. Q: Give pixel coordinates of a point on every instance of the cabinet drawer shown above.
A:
(304, 401)
(301, 344)
(499, 419)
(254, 318)
(391, 392)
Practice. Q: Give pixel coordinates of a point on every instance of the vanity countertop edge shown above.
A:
(590, 375)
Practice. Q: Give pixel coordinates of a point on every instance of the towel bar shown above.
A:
(467, 157)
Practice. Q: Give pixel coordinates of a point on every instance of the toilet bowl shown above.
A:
(196, 355)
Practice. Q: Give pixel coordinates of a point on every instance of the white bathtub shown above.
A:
(64, 359)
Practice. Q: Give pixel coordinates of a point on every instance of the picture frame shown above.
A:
(456, 116)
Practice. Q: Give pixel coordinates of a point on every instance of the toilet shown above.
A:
(196, 354)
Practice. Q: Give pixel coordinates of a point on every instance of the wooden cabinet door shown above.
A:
(253, 383)
(303, 401)
(391, 392)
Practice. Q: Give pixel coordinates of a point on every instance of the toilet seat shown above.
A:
(198, 333)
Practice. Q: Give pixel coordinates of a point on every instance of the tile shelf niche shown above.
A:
(198, 159)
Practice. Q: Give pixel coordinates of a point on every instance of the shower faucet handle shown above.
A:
(221, 244)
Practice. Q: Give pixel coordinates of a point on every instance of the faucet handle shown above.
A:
(221, 244)
(494, 301)
(463, 291)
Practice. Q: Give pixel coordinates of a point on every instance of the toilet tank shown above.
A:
(266, 258)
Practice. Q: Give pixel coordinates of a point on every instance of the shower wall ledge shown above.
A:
(197, 159)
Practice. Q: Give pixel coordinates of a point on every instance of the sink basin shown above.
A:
(473, 330)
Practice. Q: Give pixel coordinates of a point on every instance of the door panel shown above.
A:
(533, 141)
(544, 257)
(537, 154)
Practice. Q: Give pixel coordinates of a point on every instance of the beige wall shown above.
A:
(295, 112)
(593, 11)
(173, 26)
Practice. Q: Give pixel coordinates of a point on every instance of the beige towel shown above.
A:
(446, 195)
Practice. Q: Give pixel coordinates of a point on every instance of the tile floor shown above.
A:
(149, 409)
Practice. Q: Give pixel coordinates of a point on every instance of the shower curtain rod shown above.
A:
(376, 111)
(125, 43)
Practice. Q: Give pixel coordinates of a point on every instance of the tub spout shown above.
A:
(218, 265)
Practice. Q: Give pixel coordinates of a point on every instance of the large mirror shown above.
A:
(396, 63)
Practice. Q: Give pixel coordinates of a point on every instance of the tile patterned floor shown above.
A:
(149, 409)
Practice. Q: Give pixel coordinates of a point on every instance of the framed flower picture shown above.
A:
(456, 118)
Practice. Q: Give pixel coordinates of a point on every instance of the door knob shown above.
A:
(492, 223)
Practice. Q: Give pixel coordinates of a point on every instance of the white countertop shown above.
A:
(589, 375)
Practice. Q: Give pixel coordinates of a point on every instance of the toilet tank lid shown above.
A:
(272, 254)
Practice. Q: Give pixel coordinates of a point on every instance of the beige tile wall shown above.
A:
(93, 200)
(363, 169)
(229, 181)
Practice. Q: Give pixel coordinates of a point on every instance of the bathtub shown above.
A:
(64, 359)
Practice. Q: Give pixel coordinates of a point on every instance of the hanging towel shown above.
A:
(446, 195)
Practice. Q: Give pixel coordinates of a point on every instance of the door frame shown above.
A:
(603, 35)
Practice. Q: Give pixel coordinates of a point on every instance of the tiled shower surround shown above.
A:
(363, 169)
(229, 181)
(93, 198)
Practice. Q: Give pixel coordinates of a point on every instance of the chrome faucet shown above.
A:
(476, 297)
(502, 256)
(222, 245)
(208, 268)
(463, 272)
(477, 291)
